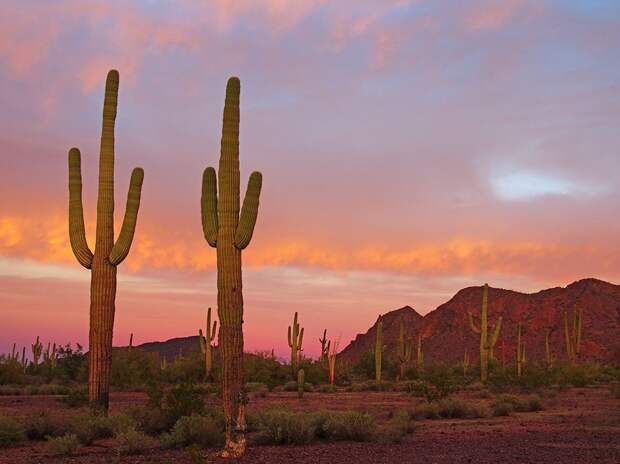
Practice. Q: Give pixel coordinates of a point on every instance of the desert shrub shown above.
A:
(76, 398)
(189, 369)
(502, 408)
(47, 389)
(531, 403)
(11, 432)
(89, 429)
(264, 368)
(429, 391)
(40, 425)
(327, 388)
(365, 367)
(190, 430)
(284, 427)
(450, 408)
(348, 425)
(292, 386)
(183, 400)
(71, 364)
(11, 371)
(63, 446)
(132, 441)
(398, 427)
(151, 420)
(10, 390)
(371, 385)
(131, 368)
(255, 387)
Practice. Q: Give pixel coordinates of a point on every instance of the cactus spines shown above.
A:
(300, 383)
(325, 344)
(403, 350)
(37, 350)
(573, 338)
(520, 351)
(230, 232)
(108, 253)
(206, 341)
(486, 343)
(549, 358)
(295, 342)
(420, 357)
(378, 350)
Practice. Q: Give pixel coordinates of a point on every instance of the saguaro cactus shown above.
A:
(295, 341)
(206, 341)
(230, 232)
(378, 350)
(549, 358)
(465, 363)
(420, 358)
(108, 254)
(486, 343)
(520, 351)
(332, 362)
(50, 356)
(300, 383)
(37, 350)
(403, 350)
(573, 339)
(325, 344)
(130, 347)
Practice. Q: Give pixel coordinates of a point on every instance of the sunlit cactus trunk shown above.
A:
(230, 232)
(295, 342)
(573, 338)
(332, 362)
(108, 254)
(378, 350)
(486, 343)
(549, 358)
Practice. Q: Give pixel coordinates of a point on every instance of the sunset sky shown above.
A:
(408, 149)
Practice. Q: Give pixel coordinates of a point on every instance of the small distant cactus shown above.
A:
(420, 358)
(37, 350)
(378, 350)
(50, 356)
(324, 346)
(486, 343)
(295, 342)
(163, 364)
(465, 363)
(549, 358)
(573, 338)
(403, 350)
(206, 341)
(520, 351)
(108, 252)
(300, 383)
(130, 347)
(332, 362)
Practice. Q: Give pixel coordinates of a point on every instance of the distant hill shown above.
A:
(447, 335)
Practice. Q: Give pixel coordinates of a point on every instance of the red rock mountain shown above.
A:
(446, 334)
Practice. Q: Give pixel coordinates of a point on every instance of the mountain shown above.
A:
(173, 348)
(446, 334)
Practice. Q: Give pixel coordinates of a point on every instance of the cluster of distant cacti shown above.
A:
(48, 357)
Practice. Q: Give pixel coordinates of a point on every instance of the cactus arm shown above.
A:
(495, 334)
(472, 323)
(301, 339)
(290, 341)
(120, 250)
(249, 211)
(77, 233)
(208, 204)
(214, 330)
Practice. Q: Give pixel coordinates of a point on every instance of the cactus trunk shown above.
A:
(403, 350)
(295, 341)
(108, 254)
(420, 358)
(206, 346)
(230, 232)
(573, 338)
(486, 343)
(378, 350)
(300, 383)
(520, 352)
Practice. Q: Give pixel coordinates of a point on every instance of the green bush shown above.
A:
(371, 385)
(346, 426)
(10, 390)
(76, 398)
(40, 425)
(284, 427)
(450, 408)
(132, 368)
(502, 408)
(264, 368)
(11, 432)
(194, 430)
(398, 427)
(531, 403)
(132, 441)
(327, 388)
(292, 386)
(62, 446)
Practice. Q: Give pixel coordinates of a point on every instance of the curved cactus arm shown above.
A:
(472, 323)
(496, 330)
(77, 232)
(208, 206)
(120, 250)
(301, 339)
(249, 211)
(290, 339)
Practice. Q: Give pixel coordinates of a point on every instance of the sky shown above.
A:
(408, 149)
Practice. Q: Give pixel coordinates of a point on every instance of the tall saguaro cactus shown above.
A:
(325, 344)
(230, 231)
(295, 341)
(420, 358)
(108, 253)
(37, 350)
(486, 343)
(573, 338)
(378, 350)
(549, 358)
(206, 341)
(403, 350)
(520, 351)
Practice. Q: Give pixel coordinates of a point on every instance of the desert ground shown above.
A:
(577, 425)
